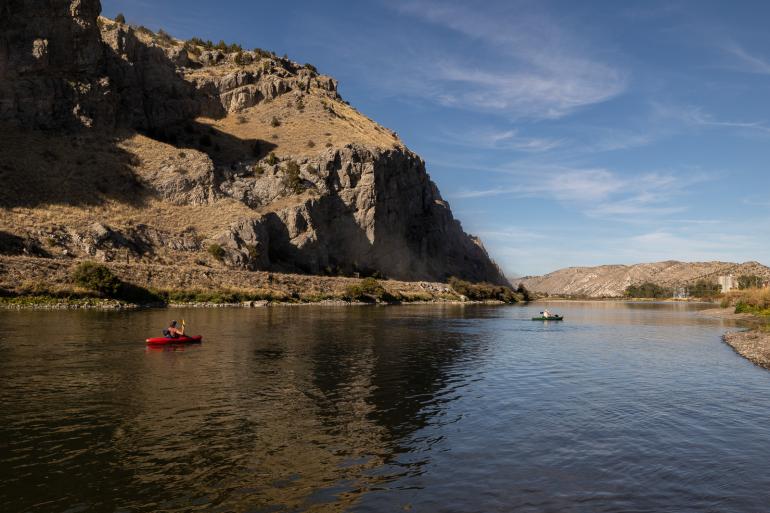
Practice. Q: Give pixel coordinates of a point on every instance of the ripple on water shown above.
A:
(621, 408)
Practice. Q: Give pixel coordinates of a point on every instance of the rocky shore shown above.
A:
(754, 345)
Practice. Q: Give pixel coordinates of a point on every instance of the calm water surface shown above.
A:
(622, 408)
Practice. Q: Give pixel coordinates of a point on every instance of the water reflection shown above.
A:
(372, 409)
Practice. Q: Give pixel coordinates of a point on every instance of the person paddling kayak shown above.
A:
(173, 331)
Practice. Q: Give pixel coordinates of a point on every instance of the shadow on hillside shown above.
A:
(11, 244)
(41, 168)
(224, 149)
(338, 242)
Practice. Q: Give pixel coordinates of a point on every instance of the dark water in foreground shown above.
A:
(624, 407)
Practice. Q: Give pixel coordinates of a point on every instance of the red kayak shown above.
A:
(160, 341)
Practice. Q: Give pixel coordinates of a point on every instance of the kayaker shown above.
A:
(172, 331)
(546, 314)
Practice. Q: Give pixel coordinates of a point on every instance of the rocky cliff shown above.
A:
(124, 144)
(612, 280)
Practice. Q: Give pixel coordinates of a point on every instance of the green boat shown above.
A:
(550, 318)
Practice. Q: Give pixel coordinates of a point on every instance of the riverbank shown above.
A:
(754, 345)
(48, 284)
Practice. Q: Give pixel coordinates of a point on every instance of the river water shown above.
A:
(624, 407)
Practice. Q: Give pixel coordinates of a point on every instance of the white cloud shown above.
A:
(540, 71)
(601, 192)
(742, 60)
(694, 116)
(496, 139)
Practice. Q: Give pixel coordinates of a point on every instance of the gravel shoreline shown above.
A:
(754, 345)
(112, 305)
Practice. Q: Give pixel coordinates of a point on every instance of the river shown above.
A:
(623, 407)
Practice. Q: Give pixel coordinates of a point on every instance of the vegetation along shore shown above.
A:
(753, 344)
(28, 282)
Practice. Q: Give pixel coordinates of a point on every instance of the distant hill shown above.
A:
(612, 280)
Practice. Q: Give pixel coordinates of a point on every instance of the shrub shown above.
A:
(311, 144)
(311, 68)
(755, 300)
(272, 159)
(275, 122)
(300, 104)
(483, 291)
(523, 292)
(259, 169)
(328, 145)
(217, 251)
(242, 120)
(749, 281)
(704, 289)
(293, 180)
(368, 289)
(165, 36)
(648, 290)
(120, 18)
(96, 277)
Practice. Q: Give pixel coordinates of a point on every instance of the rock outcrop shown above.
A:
(368, 211)
(52, 64)
(210, 146)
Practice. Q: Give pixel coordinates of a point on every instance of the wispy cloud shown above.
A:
(496, 139)
(601, 192)
(697, 117)
(539, 71)
(742, 60)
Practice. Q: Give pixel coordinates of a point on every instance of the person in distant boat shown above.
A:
(173, 331)
(546, 314)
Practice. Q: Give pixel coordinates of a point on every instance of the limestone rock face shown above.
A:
(366, 211)
(149, 90)
(360, 207)
(51, 63)
(242, 89)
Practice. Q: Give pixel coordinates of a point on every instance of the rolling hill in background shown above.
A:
(612, 280)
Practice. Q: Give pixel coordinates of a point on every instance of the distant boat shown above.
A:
(549, 318)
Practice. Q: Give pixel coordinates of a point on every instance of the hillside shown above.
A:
(120, 144)
(612, 280)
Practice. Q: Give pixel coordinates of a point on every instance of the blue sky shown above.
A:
(562, 133)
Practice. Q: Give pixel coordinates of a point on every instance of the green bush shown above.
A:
(749, 281)
(704, 289)
(648, 290)
(165, 36)
(120, 18)
(293, 180)
(483, 291)
(368, 289)
(217, 251)
(524, 293)
(275, 122)
(272, 159)
(98, 278)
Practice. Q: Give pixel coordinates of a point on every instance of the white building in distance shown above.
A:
(728, 283)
